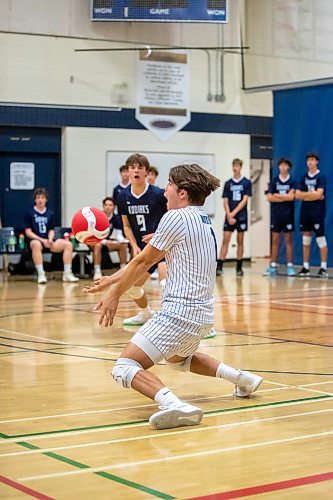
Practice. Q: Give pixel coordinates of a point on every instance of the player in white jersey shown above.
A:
(187, 240)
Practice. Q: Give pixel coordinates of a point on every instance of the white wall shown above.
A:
(85, 152)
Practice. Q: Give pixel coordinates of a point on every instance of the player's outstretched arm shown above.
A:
(133, 272)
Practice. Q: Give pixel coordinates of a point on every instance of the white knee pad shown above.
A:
(321, 241)
(306, 240)
(183, 366)
(135, 292)
(124, 371)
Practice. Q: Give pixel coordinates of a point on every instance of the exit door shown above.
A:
(20, 174)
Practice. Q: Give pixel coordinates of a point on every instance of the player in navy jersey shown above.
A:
(115, 240)
(141, 207)
(312, 192)
(124, 183)
(39, 228)
(236, 193)
(187, 240)
(281, 195)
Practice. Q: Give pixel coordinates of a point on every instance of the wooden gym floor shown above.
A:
(68, 431)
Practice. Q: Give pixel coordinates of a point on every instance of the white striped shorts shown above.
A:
(164, 336)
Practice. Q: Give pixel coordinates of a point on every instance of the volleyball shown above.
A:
(90, 225)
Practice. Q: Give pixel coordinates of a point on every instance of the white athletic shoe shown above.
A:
(211, 334)
(97, 275)
(41, 279)
(251, 382)
(177, 416)
(69, 278)
(138, 320)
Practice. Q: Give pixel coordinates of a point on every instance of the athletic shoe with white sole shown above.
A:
(176, 416)
(211, 334)
(41, 279)
(250, 383)
(69, 278)
(97, 275)
(138, 320)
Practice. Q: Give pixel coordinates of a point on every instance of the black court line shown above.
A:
(315, 344)
(119, 345)
(47, 351)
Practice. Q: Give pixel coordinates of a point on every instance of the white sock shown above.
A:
(273, 264)
(323, 265)
(162, 283)
(228, 373)
(67, 268)
(164, 397)
(97, 267)
(306, 265)
(39, 269)
(122, 265)
(146, 311)
(290, 264)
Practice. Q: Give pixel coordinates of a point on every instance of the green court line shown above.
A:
(103, 474)
(136, 422)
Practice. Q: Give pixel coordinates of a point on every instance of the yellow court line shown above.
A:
(164, 434)
(177, 457)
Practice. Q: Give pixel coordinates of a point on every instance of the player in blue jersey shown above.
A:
(141, 207)
(236, 193)
(281, 195)
(124, 183)
(39, 228)
(312, 192)
(187, 240)
(114, 242)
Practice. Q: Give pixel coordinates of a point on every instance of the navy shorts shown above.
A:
(314, 224)
(282, 225)
(239, 226)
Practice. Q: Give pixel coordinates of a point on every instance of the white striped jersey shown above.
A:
(187, 237)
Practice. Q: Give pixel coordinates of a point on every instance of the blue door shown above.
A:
(22, 170)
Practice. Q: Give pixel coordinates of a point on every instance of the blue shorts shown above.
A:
(239, 226)
(314, 224)
(282, 225)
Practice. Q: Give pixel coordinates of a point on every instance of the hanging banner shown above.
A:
(163, 92)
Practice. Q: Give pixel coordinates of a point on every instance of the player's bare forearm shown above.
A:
(313, 196)
(137, 268)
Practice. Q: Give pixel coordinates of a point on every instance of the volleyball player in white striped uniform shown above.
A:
(187, 240)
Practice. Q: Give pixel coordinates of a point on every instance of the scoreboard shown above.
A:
(181, 11)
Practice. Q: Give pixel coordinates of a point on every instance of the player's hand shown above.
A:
(147, 237)
(46, 243)
(99, 285)
(107, 307)
(136, 251)
(231, 220)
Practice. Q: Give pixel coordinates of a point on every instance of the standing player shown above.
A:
(235, 196)
(186, 238)
(281, 195)
(124, 183)
(152, 175)
(118, 243)
(311, 192)
(141, 207)
(39, 228)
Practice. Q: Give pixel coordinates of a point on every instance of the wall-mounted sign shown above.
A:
(22, 175)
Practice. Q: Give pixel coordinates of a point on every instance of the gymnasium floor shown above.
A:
(68, 431)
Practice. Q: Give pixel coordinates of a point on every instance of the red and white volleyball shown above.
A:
(90, 225)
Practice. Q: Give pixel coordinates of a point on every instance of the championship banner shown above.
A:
(163, 92)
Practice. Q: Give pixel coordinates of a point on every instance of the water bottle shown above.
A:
(73, 240)
(21, 241)
(11, 242)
